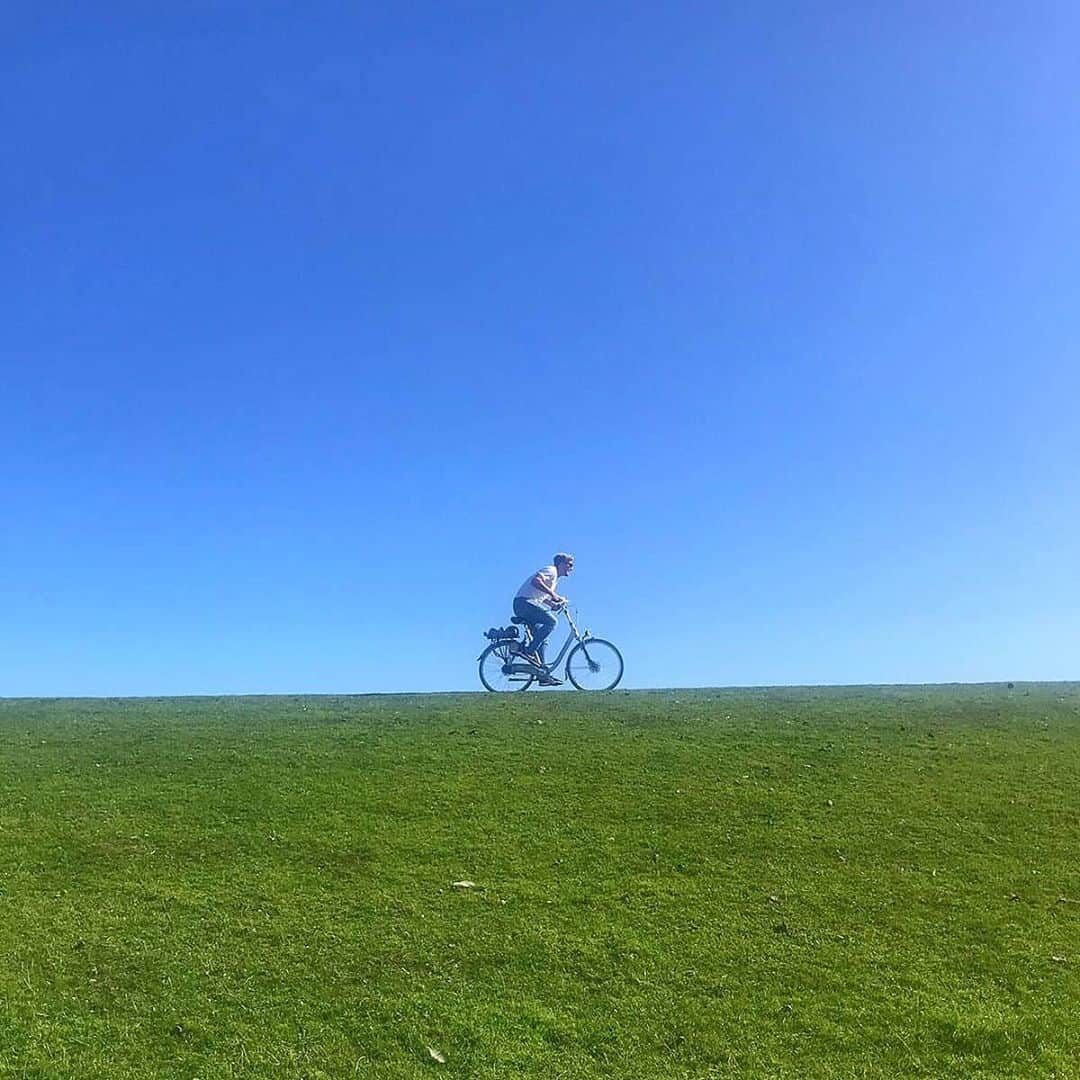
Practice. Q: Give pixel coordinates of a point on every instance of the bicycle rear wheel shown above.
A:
(494, 660)
(594, 664)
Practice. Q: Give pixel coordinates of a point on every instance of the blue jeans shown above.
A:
(539, 619)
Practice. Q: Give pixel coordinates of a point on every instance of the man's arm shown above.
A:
(539, 583)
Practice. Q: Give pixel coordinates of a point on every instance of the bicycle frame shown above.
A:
(575, 635)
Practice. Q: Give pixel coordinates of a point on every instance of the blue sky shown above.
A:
(326, 324)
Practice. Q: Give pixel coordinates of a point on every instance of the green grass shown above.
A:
(870, 882)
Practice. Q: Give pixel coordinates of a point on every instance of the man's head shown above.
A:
(564, 564)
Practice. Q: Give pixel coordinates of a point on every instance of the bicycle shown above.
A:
(593, 663)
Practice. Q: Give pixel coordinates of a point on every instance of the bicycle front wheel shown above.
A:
(497, 669)
(594, 664)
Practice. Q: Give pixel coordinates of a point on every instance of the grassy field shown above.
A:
(864, 882)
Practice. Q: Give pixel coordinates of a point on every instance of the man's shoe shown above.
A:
(549, 680)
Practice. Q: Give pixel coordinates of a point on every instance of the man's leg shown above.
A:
(541, 622)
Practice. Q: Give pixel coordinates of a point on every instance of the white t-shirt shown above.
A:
(528, 591)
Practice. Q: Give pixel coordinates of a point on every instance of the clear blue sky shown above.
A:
(325, 324)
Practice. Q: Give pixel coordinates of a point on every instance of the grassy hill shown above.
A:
(852, 882)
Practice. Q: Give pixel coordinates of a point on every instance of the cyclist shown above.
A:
(535, 592)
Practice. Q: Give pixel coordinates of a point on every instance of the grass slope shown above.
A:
(865, 882)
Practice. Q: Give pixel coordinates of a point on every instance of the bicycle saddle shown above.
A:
(517, 621)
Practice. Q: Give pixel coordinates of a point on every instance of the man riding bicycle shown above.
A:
(535, 592)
